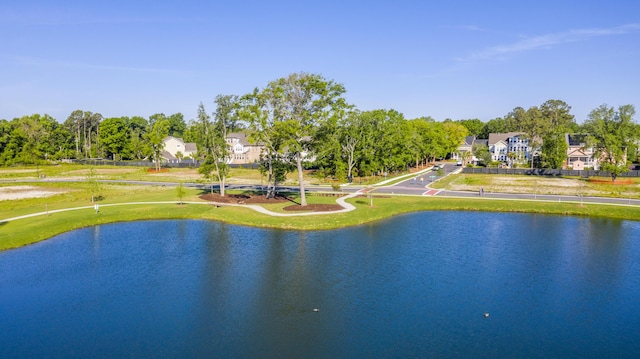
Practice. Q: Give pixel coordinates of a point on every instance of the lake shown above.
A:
(416, 285)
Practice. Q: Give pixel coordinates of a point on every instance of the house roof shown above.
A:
(482, 142)
(242, 138)
(190, 147)
(575, 139)
(167, 156)
(577, 153)
(495, 137)
(469, 140)
(171, 137)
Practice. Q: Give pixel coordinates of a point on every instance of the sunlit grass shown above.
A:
(112, 209)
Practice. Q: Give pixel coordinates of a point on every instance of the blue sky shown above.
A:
(444, 59)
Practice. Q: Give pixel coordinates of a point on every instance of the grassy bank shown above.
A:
(30, 230)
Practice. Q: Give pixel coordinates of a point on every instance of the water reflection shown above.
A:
(412, 286)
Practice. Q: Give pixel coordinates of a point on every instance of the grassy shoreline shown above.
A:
(26, 231)
(113, 197)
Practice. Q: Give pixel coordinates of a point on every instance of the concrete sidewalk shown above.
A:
(347, 207)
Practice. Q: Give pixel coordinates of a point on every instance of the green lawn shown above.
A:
(25, 231)
(112, 199)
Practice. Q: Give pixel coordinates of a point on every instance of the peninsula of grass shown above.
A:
(132, 203)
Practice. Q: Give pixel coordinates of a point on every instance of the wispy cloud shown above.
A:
(546, 41)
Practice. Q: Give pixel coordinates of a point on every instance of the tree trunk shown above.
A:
(303, 197)
(270, 189)
(220, 179)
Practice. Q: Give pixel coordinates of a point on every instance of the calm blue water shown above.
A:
(411, 286)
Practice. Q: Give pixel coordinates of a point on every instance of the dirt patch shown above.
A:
(17, 171)
(153, 170)
(187, 175)
(243, 198)
(23, 192)
(103, 171)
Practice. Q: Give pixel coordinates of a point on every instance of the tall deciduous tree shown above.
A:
(557, 122)
(299, 103)
(258, 111)
(454, 135)
(474, 126)
(177, 126)
(496, 125)
(610, 132)
(85, 126)
(214, 137)
(114, 136)
(531, 123)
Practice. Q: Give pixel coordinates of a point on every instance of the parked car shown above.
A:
(459, 163)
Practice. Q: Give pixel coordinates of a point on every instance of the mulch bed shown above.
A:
(261, 199)
(617, 181)
(314, 207)
(243, 198)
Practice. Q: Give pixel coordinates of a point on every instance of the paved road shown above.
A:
(414, 184)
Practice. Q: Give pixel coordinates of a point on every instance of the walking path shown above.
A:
(346, 207)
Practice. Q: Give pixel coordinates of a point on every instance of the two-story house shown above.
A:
(579, 156)
(175, 149)
(465, 146)
(510, 147)
(498, 145)
(242, 151)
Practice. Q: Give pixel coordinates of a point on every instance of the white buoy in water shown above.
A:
(486, 315)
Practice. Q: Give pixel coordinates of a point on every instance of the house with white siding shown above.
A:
(175, 149)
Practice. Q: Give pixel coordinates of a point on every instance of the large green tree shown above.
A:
(85, 127)
(496, 125)
(474, 126)
(299, 103)
(177, 126)
(114, 136)
(257, 110)
(611, 132)
(454, 135)
(30, 139)
(557, 122)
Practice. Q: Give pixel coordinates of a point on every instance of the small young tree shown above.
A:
(180, 191)
(213, 138)
(158, 132)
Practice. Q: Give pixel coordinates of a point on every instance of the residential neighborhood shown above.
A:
(512, 149)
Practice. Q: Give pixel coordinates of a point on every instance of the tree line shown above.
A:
(304, 120)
